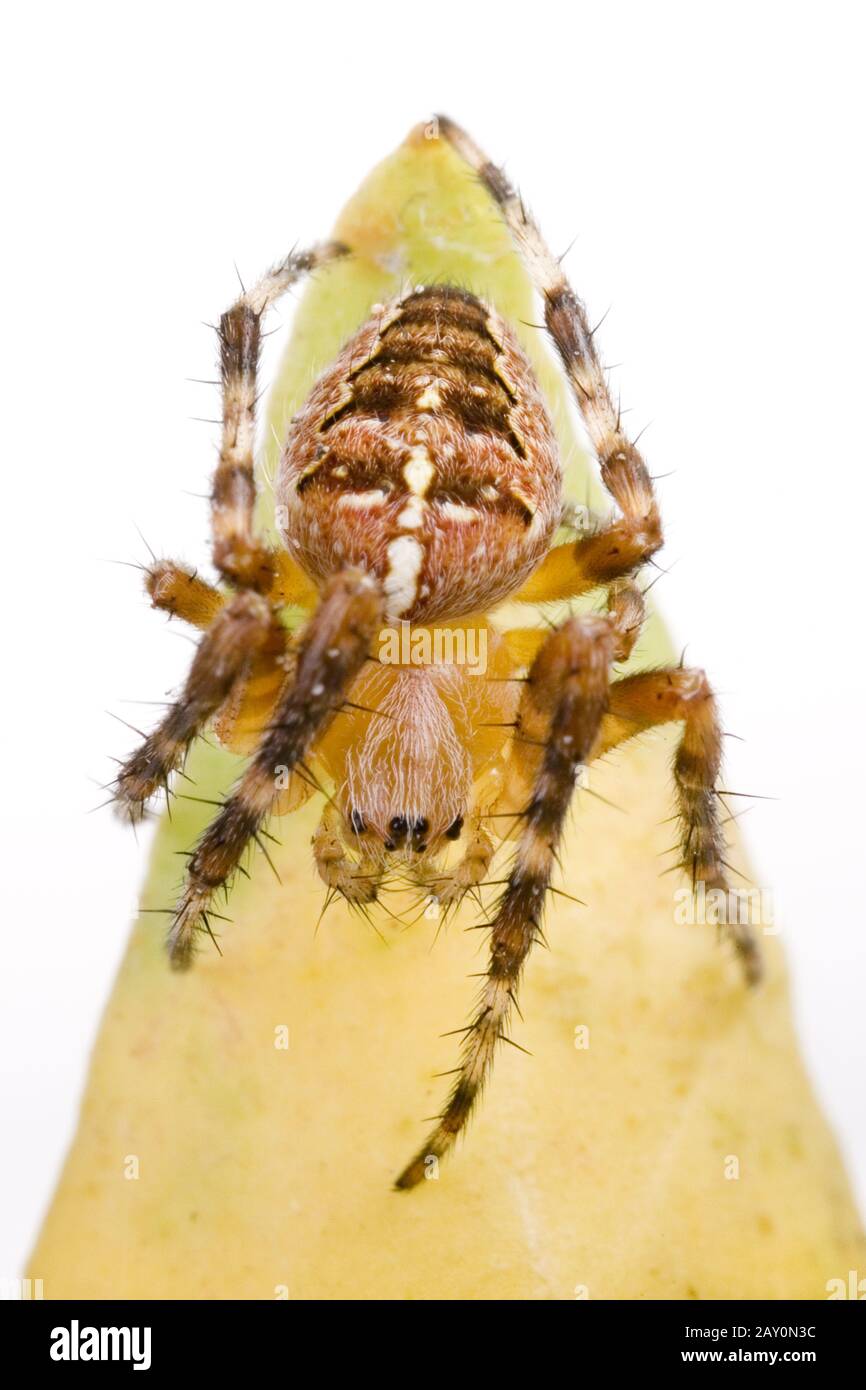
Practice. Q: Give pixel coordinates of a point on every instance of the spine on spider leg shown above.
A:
(334, 648)
(569, 678)
(648, 700)
(623, 470)
(630, 540)
(237, 553)
(626, 542)
(626, 606)
(182, 593)
(696, 772)
(238, 632)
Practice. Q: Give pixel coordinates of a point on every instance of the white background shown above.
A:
(706, 163)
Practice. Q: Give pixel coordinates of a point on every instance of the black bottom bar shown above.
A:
(68, 1338)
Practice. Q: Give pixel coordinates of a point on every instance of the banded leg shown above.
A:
(570, 680)
(616, 549)
(236, 635)
(625, 613)
(333, 649)
(625, 543)
(653, 698)
(238, 554)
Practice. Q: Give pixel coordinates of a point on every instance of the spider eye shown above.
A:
(357, 822)
(399, 828)
(453, 831)
(419, 830)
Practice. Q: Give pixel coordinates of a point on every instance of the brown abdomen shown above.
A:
(424, 454)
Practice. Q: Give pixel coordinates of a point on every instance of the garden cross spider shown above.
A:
(420, 484)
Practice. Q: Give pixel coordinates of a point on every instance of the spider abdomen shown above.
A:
(424, 454)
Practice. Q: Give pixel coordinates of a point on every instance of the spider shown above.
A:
(419, 488)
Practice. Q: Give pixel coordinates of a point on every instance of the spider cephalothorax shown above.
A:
(419, 488)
